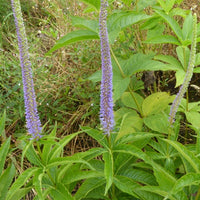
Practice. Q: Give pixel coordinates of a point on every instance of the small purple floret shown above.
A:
(32, 119)
(106, 104)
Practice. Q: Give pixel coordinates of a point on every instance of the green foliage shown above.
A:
(144, 157)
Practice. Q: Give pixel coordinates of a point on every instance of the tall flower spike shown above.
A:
(106, 104)
(188, 75)
(32, 119)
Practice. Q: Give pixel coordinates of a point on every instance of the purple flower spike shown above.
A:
(106, 104)
(32, 119)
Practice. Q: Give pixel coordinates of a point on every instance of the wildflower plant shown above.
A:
(106, 104)
(137, 161)
(188, 75)
(32, 119)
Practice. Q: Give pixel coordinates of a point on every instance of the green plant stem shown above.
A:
(198, 142)
(38, 148)
(129, 87)
(198, 195)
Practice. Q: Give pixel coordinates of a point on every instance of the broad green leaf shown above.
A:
(155, 103)
(5, 180)
(193, 117)
(119, 21)
(88, 186)
(122, 161)
(2, 123)
(179, 12)
(130, 124)
(187, 27)
(119, 114)
(124, 19)
(183, 55)
(37, 183)
(197, 61)
(21, 181)
(20, 193)
(137, 138)
(170, 60)
(197, 70)
(132, 101)
(119, 86)
(164, 178)
(172, 23)
(3, 153)
(186, 154)
(126, 184)
(132, 150)
(97, 135)
(180, 75)
(155, 31)
(67, 160)
(158, 190)
(96, 76)
(108, 169)
(73, 37)
(141, 62)
(162, 39)
(94, 3)
(169, 5)
(74, 174)
(139, 175)
(92, 25)
(186, 180)
(32, 155)
(61, 192)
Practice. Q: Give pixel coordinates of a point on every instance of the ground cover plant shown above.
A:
(141, 142)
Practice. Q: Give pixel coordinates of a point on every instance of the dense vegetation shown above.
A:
(152, 151)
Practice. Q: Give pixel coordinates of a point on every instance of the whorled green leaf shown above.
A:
(61, 192)
(126, 184)
(186, 180)
(186, 154)
(55, 152)
(21, 181)
(97, 135)
(88, 186)
(172, 23)
(159, 191)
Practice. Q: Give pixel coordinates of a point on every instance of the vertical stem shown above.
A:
(129, 87)
(198, 142)
(198, 195)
